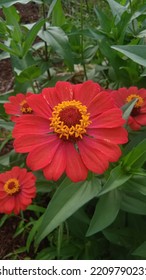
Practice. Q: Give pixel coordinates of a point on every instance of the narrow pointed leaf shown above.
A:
(127, 108)
(67, 200)
(134, 203)
(133, 157)
(32, 33)
(116, 179)
(137, 53)
(58, 40)
(117, 9)
(105, 213)
(9, 50)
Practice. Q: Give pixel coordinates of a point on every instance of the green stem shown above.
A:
(33, 88)
(46, 47)
(59, 240)
(139, 173)
(82, 39)
(67, 231)
(132, 20)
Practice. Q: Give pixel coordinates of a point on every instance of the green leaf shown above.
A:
(120, 236)
(12, 19)
(117, 9)
(6, 125)
(107, 209)
(136, 53)
(9, 50)
(116, 179)
(5, 159)
(58, 40)
(136, 138)
(58, 18)
(142, 34)
(31, 35)
(51, 7)
(133, 202)
(104, 20)
(137, 184)
(110, 54)
(127, 108)
(12, 16)
(29, 74)
(8, 3)
(68, 198)
(36, 208)
(3, 219)
(134, 156)
(140, 251)
(32, 232)
(89, 53)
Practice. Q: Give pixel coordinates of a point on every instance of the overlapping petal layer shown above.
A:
(18, 106)
(74, 129)
(138, 114)
(17, 189)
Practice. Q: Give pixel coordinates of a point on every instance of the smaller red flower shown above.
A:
(18, 106)
(17, 188)
(122, 96)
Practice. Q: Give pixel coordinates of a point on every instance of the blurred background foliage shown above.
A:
(104, 41)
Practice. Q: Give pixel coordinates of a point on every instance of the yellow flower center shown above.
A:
(12, 186)
(139, 102)
(70, 120)
(24, 107)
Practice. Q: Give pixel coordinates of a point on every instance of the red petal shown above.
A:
(15, 172)
(133, 123)
(75, 168)
(43, 154)
(17, 99)
(64, 91)
(108, 119)
(120, 96)
(30, 124)
(39, 106)
(12, 109)
(141, 119)
(117, 135)
(111, 151)
(101, 103)
(29, 176)
(93, 159)
(50, 96)
(86, 92)
(8, 206)
(27, 143)
(58, 164)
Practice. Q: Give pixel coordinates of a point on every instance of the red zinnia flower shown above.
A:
(18, 106)
(75, 128)
(138, 114)
(17, 188)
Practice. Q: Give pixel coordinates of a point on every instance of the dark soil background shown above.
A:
(29, 13)
(8, 244)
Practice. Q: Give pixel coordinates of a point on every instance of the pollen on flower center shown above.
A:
(70, 120)
(139, 102)
(12, 186)
(24, 107)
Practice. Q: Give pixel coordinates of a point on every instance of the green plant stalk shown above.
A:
(82, 39)
(59, 240)
(130, 2)
(33, 87)
(67, 231)
(46, 47)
